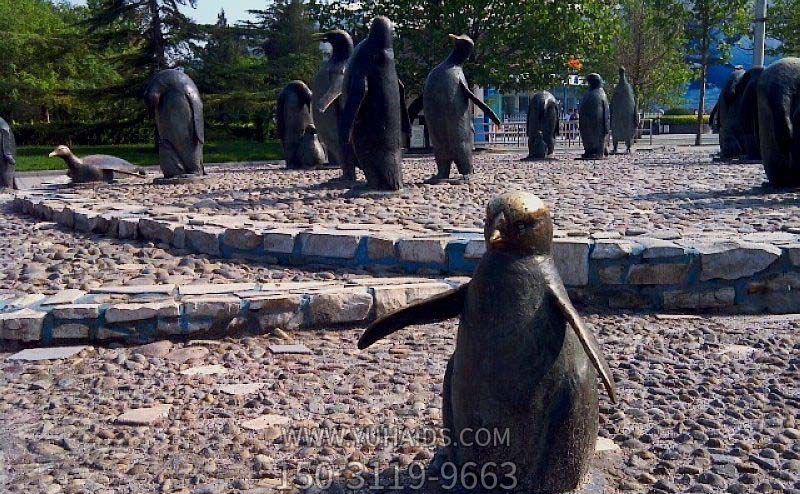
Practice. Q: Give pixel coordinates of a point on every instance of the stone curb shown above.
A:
(136, 314)
(751, 273)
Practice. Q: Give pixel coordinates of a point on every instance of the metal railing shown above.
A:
(513, 133)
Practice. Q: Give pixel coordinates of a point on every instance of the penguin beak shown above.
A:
(320, 36)
(52, 155)
(452, 37)
(498, 225)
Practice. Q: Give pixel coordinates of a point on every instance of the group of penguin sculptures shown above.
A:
(599, 118)
(358, 109)
(757, 116)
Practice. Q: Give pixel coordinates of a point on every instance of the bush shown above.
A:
(124, 132)
(83, 133)
(679, 111)
(681, 119)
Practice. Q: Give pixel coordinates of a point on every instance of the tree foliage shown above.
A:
(518, 45)
(650, 45)
(783, 24)
(46, 60)
(146, 36)
(282, 34)
(712, 27)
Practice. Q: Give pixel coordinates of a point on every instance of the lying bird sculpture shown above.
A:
(95, 168)
(517, 369)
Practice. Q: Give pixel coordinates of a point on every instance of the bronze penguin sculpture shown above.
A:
(327, 89)
(174, 100)
(595, 119)
(543, 119)
(747, 113)
(374, 116)
(8, 157)
(779, 121)
(624, 113)
(729, 144)
(301, 147)
(446, 101)
(517, 366)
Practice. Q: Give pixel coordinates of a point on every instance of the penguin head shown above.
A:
(595, 81)
(622, 74)
(518, 222)
(462, 48)
(381, 32)
(341, 42)
(60, 152)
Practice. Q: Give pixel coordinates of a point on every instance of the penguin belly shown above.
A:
(178, 150)
(448, 120)
(520, 373)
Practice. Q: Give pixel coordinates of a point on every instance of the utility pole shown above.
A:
(759, 28)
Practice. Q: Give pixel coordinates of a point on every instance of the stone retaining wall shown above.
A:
(143, 313)
(742, 274)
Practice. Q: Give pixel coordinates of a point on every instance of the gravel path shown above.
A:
(43, 258)
(707, 405)
(676, 188)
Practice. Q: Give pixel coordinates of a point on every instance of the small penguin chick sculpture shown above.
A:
(525, 365)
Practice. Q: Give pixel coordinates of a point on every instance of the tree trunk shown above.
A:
(44, 113)
(701, 107)
(157, 34)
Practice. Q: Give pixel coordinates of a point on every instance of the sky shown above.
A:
(207, 10)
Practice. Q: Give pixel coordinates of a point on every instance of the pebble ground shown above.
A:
(707, 405)
(668, 188)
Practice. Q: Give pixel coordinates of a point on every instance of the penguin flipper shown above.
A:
(585, 335)
(333, 93)
(356, 92)
(480, 104)
(197, 116)
(414, 108)
(444, 306)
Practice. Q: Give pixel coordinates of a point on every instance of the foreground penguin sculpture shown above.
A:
(524, 363)
(8, 157)
(446, 101)
(374, 115)
(542, 119)
(595, 119)
(327, 88)
(729, 145)
(779, 121)
(624, 113)
(301, 147)
(174, 100)
(96, 167)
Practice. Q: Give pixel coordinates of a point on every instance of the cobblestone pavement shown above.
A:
(707, 405)
(40, 257)
(670, 188)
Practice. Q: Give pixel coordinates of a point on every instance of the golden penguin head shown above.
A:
(518, 222)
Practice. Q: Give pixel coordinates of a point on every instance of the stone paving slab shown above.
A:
(55, 353)
(133, 316)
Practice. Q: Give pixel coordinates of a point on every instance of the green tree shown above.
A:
(146, 36)
(46, 61)
(783, 24)
(518, 45)
(712, 27)
(282, 34)
(651, 46)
